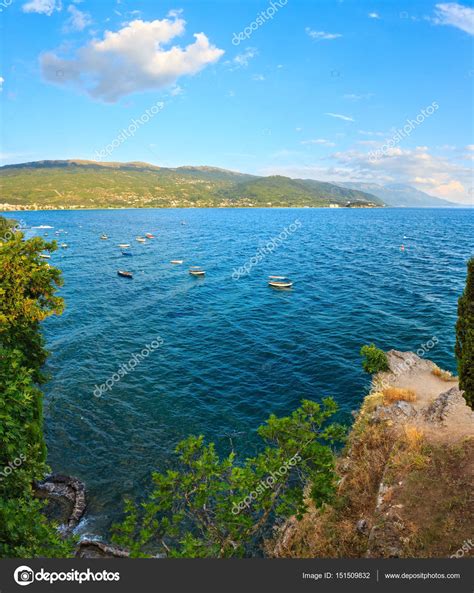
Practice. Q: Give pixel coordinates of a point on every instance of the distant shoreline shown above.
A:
(213, 208)
(440, 208)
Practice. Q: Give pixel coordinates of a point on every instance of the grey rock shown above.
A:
(91, 548)
(68, 495)
(362, 526)
(440, 408)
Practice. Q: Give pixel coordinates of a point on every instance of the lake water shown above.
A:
(234, 351)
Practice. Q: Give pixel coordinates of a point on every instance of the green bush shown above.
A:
(213, 507)
(375, 360)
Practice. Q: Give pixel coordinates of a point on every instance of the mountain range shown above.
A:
(400, 195)
(70, 184)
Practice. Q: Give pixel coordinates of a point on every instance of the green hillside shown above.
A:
(86, 184)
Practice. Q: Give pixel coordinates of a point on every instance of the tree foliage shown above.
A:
(464, 347)
(27, 296)
(375, 360)
(7, 226)
(216, 507)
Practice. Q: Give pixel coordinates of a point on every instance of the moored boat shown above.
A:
(104, 237)
(124, 245)
(45, 256)
(196, 271)
(177, 261)
(127, 253)
(149, 236)
(279, 282)
(64, 245)
(125, 274)
(141, 240)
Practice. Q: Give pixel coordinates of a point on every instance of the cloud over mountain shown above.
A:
(418, 167)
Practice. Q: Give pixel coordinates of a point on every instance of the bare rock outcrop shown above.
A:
(91, 548)
(66, 499)
(440, 409)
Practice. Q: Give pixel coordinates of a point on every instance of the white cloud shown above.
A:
(355, 97)
(455, 15)
(242, 60)
(42, 6)
(340, 116)
(177, 90)
(175, 13)
(78, 20)
(131, 60)
(369, 133)
(373, 15)
(258, 77)
(321, 34)
(2, 80)
(321, 141)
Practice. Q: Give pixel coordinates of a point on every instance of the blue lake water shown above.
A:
(234, 351)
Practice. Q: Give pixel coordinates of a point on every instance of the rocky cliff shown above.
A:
(406, 476)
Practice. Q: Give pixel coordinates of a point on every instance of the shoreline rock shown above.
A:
(92, 548)
(66, 497)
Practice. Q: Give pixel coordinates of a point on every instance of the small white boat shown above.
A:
(124, 245)
(196, 271)
(64, 245)
(177, 261)
(104, 237)
(279, 282)
(141, 239)
(45, 256)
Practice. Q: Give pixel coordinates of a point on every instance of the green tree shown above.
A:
(7, 228)
(27, 296)
(375, 360)
(464, 347)
(213, 507)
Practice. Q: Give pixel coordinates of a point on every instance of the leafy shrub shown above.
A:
(375, 360)
(213, 507)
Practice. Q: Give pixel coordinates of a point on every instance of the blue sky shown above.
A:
(293, 87)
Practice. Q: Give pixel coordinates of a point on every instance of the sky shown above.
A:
(335, 90)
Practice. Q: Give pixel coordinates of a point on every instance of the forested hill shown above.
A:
(89, 184)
